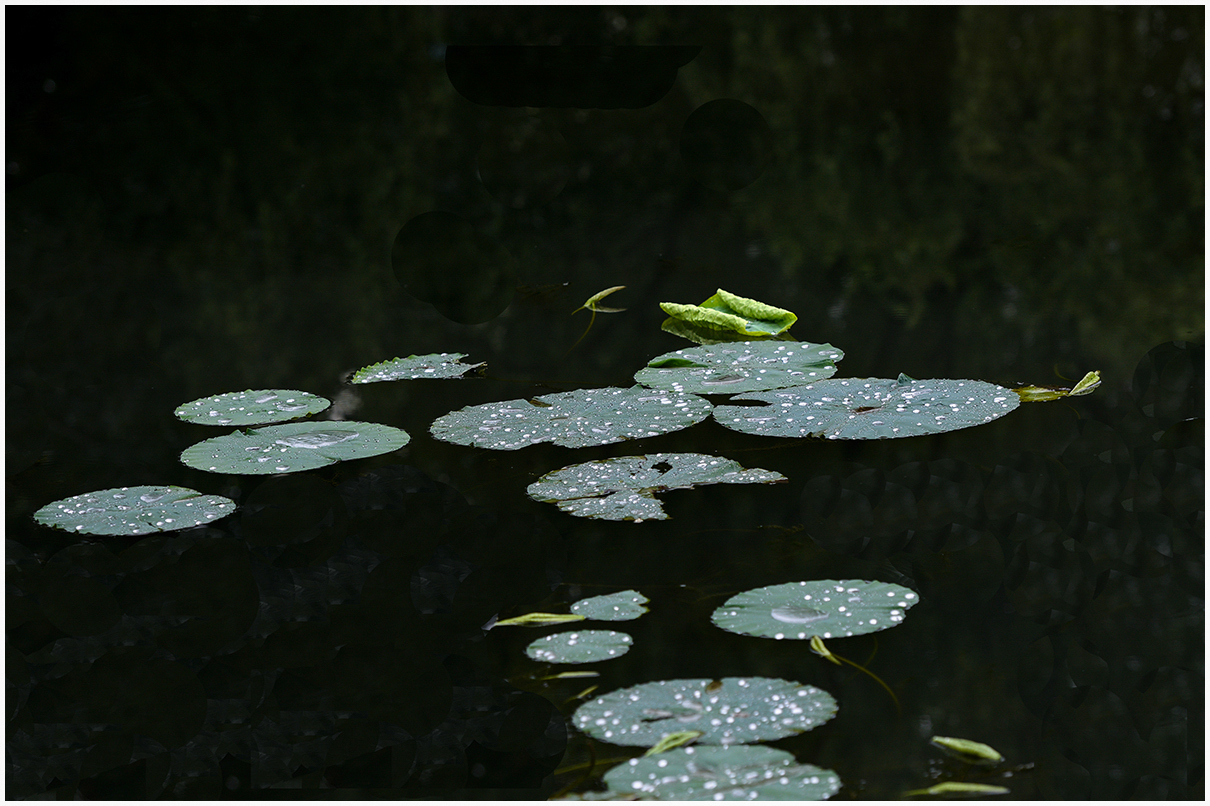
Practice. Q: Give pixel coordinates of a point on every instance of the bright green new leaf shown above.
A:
(1039, 394)
(722, 773)
(414, 367)
(538, 620)
(134, 511)
(826, 608)
(591, 303)
(671, 741)
(293, 447)
(730, 312)
(252, 407)
(740, 367)
(966, 750)
(581, 646)
(957, 789)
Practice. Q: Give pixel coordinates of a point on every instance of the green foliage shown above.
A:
(740, 367)
(723, 773)
(1036, 394)
(252, 407)
(581, 646)
(624, 488)
(621, 606)
(958, 789)
(729, 312)
(293, 447)
(134, 511)
(966, 750)
(826, 608)
(414, 367)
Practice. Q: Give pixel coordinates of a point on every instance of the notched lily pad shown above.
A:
(734, 710)
(740, 367)
(293, 447)
(621, 606)
(433, 365)
(134, 510)
(730, 312)
(624, 488)
(578, 419)
(252, 407)
(723, 773)
(581, 646)
(826, 608)
(869, 408)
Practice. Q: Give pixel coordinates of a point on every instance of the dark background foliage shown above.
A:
(214, 199)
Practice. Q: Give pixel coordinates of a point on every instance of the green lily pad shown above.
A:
(252, 407)
(433, 365)
(581, 646)
(723, 773)
(734, 710)
(827, 608)
(727, 311)
(621, 606)
(740, 367)
(623, 489)
(293, 447)
(579, 419)
(869, 408)
(134, 511)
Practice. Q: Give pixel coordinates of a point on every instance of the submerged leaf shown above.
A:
(581, 646)
(251, 407)
(624, 488)
(723, 773)
(293, 447)
(622, 606)
(824, 608)
(740, 367)
(729, 312)
(414, 367)
(134, 511)
(578, 419)
(735, 710)
(869, 408)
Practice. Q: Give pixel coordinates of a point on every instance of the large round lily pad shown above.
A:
(746, 772)
(624, 488)
(134, 510)
(580, 646)
(293, 447)
(744, 366)
(734, 710)
(827, 608)
(621, 606)
(869, 408)
(578, 419)
(252, 407)
(415, 367)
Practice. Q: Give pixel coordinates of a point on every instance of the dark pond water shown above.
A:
(206, 201)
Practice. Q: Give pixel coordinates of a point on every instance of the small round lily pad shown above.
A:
(734, 710)
(252, 407)
(746, 772)
(293, 447)
(415, 367)
(827, 608)
(134, 510)
(621, 606)
(581, 646)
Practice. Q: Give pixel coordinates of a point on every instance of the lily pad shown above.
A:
(293, 447)
(581, 646)
(578, 419)
(827, 608)
(134, 511)
(727, 311)
(723, 773)
(624, 488)
(433, 365)
(869, 408)
(734, 710)
(621, 606)
(252, 407)
(740, 367)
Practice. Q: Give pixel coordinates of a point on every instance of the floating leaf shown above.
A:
(578, 419)
(252, 407)
(727, 311)
(581, 646)
(1038, 394)
(735, 710)
(293, 447)
(826, 608)
(591, 303)
(623, 489)
(958, 789)
(869, 408)
(723, 773)
(966, 750)
(134, 511)
(434, 365)
(622, 606)
(538, 620)
(740, 367)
